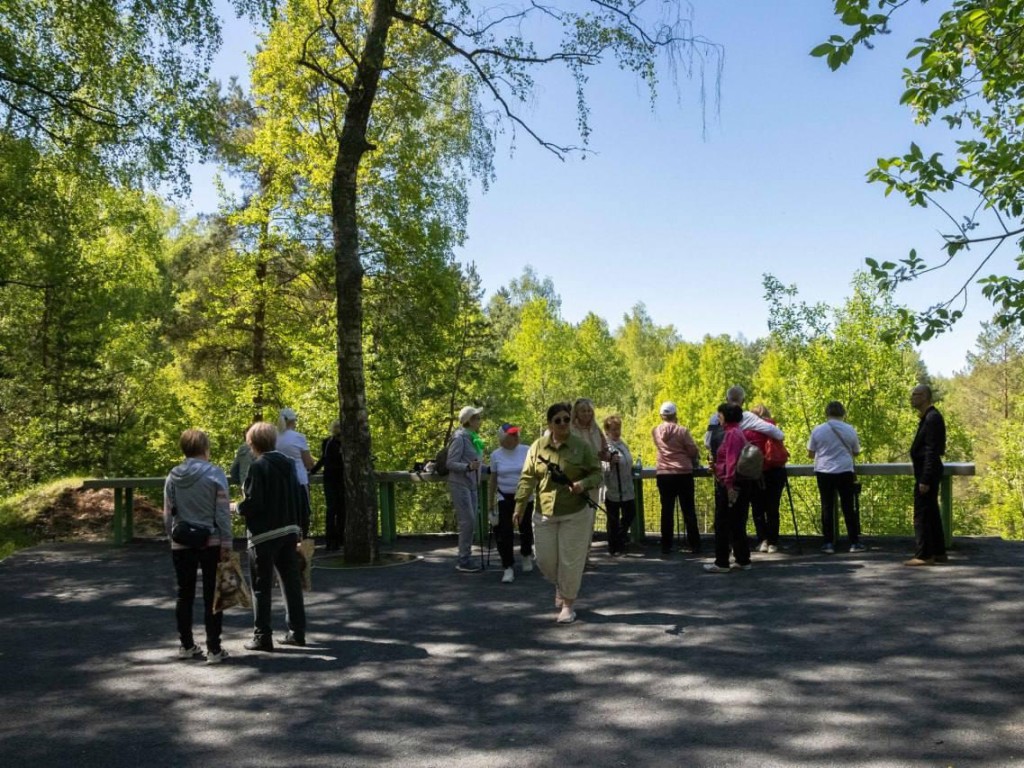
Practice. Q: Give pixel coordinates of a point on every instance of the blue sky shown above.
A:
(687, 224)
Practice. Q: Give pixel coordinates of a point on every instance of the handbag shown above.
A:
(232, 588)
(189, 534)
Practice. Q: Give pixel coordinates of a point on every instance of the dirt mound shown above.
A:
(89, 514)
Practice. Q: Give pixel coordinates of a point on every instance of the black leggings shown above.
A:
(505, 535)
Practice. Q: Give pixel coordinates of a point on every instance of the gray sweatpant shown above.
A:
(466, 503)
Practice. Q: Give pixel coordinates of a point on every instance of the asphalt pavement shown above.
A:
(806, 660)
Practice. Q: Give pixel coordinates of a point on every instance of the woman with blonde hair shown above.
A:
(584, 426)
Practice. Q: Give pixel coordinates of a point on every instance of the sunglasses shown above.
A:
(563, 420)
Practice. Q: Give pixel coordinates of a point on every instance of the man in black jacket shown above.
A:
(334, 486)
(926, 453)
(272, 508)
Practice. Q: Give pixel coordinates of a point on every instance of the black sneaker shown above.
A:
(293, 638)
(257, 644)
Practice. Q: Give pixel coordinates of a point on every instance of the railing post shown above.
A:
(946, 508)
(386, 495)
(481, 512)
(639, 528)
(129, 514)
(118, 517)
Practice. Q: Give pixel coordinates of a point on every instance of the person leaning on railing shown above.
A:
(832, 446)
(465, 459)
(560, 469)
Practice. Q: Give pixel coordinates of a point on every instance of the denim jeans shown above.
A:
(277, 554)
(186, 562)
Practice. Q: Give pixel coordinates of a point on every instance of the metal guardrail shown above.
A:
(124, 488)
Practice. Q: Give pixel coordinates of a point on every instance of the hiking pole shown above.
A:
(618, 521)
(792, 511)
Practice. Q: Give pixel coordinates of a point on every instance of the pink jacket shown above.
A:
(729, 455)
(677, 450)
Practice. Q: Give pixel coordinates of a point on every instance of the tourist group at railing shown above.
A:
(548, 491)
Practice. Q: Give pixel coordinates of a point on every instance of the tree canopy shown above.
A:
(966, 74)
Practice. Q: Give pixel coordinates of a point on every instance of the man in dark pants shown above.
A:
(272, 509)
(926, 453)
(334, 486)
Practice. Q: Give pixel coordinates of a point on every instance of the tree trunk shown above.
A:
(360, 485)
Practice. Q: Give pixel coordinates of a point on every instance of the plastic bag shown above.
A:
(305, 551)
(232, 588)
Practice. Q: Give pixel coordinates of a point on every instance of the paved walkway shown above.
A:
(806, 660)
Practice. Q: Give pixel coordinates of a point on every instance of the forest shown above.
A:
(123, 322)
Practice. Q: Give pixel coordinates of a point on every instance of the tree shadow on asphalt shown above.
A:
(810, 661)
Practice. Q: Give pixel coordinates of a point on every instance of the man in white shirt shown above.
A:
(293, 445)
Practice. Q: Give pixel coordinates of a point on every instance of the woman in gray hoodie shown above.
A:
(465, 458)
(196, 492)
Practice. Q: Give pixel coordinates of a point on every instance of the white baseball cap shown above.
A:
(668, 408)
(468, 412)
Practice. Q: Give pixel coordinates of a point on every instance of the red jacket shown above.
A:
(762, 440)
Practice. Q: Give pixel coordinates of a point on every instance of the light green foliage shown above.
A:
(818, 355)
(696, 377)
(967, 74)
(118, 87)
(539, 348)
(80, 286)
(985, 399)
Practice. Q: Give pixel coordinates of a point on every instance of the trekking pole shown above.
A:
(792, 511)
(618, 534)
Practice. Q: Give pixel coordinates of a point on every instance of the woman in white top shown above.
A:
(506, 467)
(833, 446)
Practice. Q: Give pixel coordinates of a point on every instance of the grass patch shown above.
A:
(21, 513)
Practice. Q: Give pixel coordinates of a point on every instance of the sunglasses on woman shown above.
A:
(563, 420)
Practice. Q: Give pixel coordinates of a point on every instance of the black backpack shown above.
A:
(441, 460)
(715, 439)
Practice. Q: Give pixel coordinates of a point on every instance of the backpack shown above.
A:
(441, 460)
(715, 438)
(750, 465)
(775, 454)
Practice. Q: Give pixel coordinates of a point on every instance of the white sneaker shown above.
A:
(216, 658)
(508, 576)
(195, 652)
(773, 549)
(527, 564)
(763, 547)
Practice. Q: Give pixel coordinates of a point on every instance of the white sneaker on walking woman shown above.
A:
(508, 576)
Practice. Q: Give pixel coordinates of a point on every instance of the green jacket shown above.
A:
(576, 458)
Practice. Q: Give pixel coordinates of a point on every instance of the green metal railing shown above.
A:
(387, 483)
